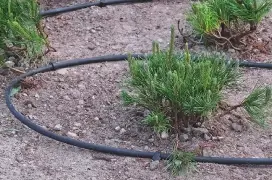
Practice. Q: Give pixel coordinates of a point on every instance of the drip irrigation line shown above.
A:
(112, 150)
(101, 3)
(102, 148)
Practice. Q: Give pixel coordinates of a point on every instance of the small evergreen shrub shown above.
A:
(226, 22)
(21, 32)
(181, 89)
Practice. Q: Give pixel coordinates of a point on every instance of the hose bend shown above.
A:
(101, 148)
(101, 3)
(106, 149)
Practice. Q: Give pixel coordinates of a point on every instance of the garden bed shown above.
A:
(85, 100)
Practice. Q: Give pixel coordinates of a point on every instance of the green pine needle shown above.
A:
(19, 21)
(158, 122)
(181, 162)
(256, 103)
(186, 87)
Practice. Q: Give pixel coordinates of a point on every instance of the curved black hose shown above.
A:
(101, 3)
(111, 150)
(255, 65)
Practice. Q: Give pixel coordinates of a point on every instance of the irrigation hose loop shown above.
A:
(101, 148)
(106, 149)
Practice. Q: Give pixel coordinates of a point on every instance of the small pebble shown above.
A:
(75, 93)
(9, 64)
(13, 59)
(184, 137)
(62, 71)
(236, 127)
(58, 127)
(81, 86)
(61, 80)
(96, 118)
(151, 140)
(154, 165)
(207, 137)
(81, 102)
(77, 124)
(66, 98)
(218, 138)
(122, 131)
(37, 96)
(164, 135)
(29, 105)
(19, 158)
(72, 135)
(200, 131)
(231, 50)
(146, 148)
(118, 128)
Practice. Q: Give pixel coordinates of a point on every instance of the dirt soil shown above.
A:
(84, 103)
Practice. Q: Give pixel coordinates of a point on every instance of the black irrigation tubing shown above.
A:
(111, 150)
(101, 3)
(101, 148)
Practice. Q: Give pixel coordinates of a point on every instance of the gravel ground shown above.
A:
(83, 102)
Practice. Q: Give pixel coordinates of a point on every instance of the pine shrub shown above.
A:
(183, 89)
(21, 33)
(226, 22)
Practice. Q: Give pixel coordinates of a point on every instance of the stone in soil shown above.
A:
(72, 135)
(199, 131)
(187, 130)
(81, 86)
(9, 64)
(58, 127)
(66, 98)
(236, 127)
(117, 128)
(151, 140)
(122, 131)
(62, 71)
(164, 135)
(77, 124)
(207, 137)
(146, 148)
(75, 93)
(81, 102)
(154, 165)
(96, 118)
(184, 137)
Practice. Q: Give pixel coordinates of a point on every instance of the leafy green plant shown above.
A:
(158, 121)
(180, 162)
(184, 89)
(21, 33)
(226, 22)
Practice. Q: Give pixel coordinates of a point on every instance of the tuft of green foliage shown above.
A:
(183, 89)
(158, 121)
(203, 18)
(256, 103)
(180, 162)
(20, 29)
(226, 21)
